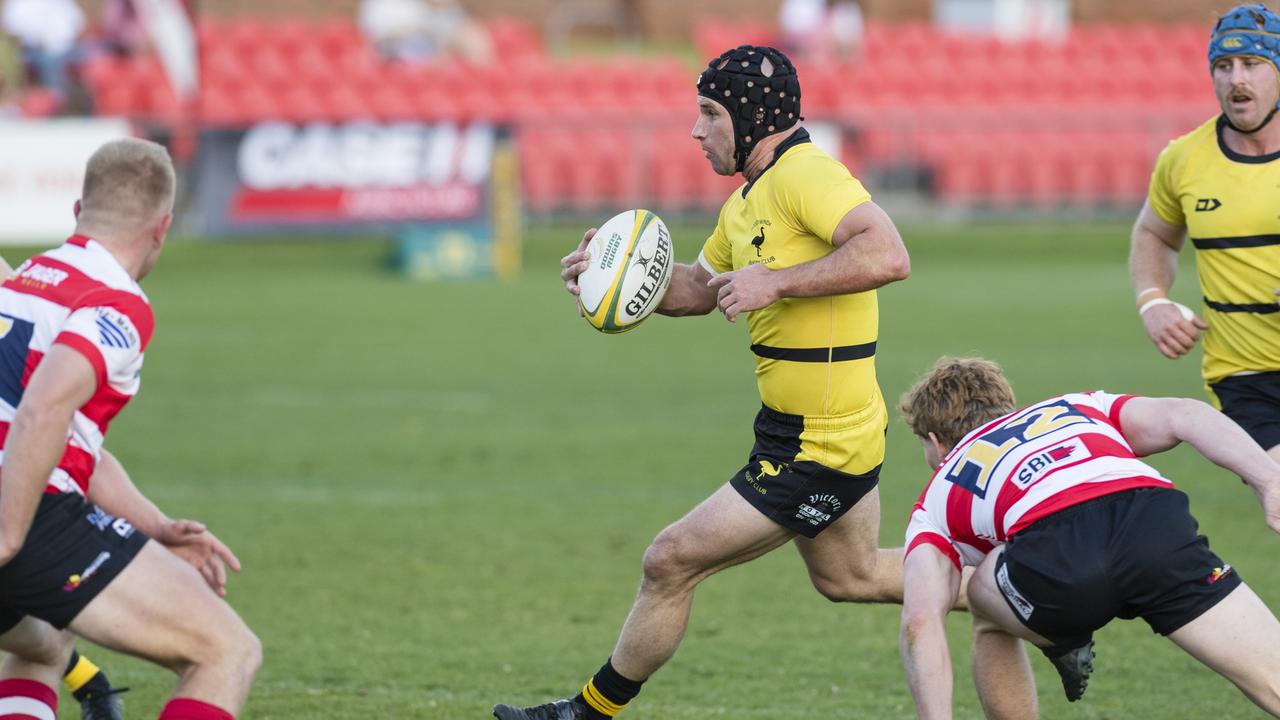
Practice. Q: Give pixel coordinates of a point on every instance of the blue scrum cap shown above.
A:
(1247, 30)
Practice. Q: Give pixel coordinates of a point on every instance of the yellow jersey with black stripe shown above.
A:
(815, 357)
(1230, 205)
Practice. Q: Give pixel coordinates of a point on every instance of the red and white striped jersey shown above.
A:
(76, 295)
(1019, 468)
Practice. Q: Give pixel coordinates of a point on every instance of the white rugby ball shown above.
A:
(629, 270)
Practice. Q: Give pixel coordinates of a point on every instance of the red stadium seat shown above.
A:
(38, 102)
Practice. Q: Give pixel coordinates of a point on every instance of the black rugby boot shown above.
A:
(102, 705)
(1074, 667)
(558, 710)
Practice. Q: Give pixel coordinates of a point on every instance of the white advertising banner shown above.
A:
(41, 171)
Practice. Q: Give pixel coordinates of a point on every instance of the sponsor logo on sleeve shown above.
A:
(115, 329)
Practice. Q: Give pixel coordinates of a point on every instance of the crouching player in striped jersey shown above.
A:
(76, 548)
(1068, 530)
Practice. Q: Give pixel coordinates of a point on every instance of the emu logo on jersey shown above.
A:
(1208, 204)
(115, 330)
(1036, 466)
(758, 242)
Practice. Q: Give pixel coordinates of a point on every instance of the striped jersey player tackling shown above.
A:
(1069, 529)
(75, 534)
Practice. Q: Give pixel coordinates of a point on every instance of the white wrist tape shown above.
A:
(1187, 313)
(1152, 303)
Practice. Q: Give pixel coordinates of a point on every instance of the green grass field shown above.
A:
(441, 493)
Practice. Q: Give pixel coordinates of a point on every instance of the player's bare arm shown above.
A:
(112, 489)
(62, 383)
(1153, 266)
(869, 254)
(689, 292)
(1153, 425)
(931, 585)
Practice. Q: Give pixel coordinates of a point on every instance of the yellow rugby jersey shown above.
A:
(1230, 205)
(815, 357)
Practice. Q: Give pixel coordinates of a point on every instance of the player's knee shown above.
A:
(241, 651)
(849, 587)
(229, 645)
(666, 562)
(250, 655)
(48, 648)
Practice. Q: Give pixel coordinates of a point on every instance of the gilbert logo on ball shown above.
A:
(628, 273)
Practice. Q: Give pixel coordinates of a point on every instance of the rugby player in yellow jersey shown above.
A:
(1220, 185)
(800, 249)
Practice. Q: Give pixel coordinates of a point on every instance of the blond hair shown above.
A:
(956, 396)
(128, 184)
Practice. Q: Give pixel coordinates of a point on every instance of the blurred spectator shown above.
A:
(821, 29)
(48, 32)
(424, 30)
(12, 79)
(123, 32)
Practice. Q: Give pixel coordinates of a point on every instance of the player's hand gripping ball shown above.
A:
(629, 271)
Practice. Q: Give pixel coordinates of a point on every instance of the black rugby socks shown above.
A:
(606, 694)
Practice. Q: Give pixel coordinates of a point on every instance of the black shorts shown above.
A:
(1253, 401)
(72, 552)
(800, 495)
(1130, 554)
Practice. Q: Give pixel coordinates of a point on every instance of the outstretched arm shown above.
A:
(869, 254)
(931, 584)
(112, 489)
(1153, 425)
(1153, 266)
